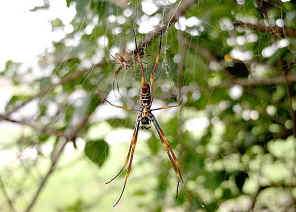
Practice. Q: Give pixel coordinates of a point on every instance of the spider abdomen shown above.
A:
(145, 123)
(145, 97)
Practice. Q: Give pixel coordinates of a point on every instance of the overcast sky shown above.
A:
(25, 34)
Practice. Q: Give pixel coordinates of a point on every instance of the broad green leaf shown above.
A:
(97, 151)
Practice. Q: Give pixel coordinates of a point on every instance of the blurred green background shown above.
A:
(231, 62)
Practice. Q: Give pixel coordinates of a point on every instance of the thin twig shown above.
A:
(182, 52)
(283, 31)
(5, 194)
(172, 16)
(181, 43)
(289, 86)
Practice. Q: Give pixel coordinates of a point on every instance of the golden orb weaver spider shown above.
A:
(144, 119)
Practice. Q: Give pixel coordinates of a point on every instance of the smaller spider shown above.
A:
(125, 62)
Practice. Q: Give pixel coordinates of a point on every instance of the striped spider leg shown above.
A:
(167, 146)
(128, 160)
(144, 119)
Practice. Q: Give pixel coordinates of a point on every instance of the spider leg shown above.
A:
(113, 57)
(127, 157)
(116, 78)
(167, 146)
(121, 107)
(155, 66)
(139, 60)
(167, 107)
(130, 159)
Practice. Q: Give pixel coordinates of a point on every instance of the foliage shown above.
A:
(97, 151)
(233, 135)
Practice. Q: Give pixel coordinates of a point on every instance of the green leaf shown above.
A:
(97, 151)
(16, 101)
(77, 206)
(140, 192)
(43, 138)
(117, 122)
(68, 2)
(215, 178)
(81, 6)
(44, 82)
(100, 7)
(57, 23)
(154, 145)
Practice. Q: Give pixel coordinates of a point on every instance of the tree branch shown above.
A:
(46, 177)
(36, 127)
(259, 82)
(41, 129)
(262, 188)
(283, 31)
(6, 196)
(173, 16)
(64, 80)
(69, 136)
